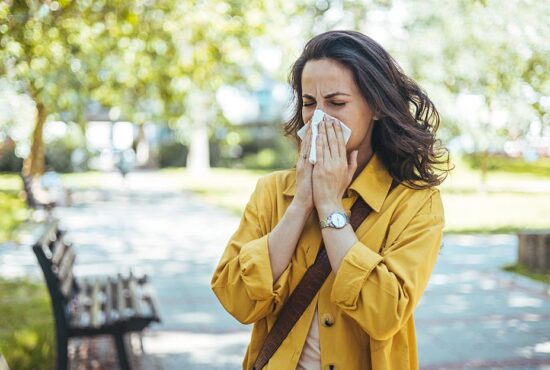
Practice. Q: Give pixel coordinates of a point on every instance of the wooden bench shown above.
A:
(113, 305)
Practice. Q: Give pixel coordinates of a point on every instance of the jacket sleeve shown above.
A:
(243, 280)
(380, 291)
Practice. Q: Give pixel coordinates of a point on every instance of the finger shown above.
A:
(340, 138)
(332, 139)
(319, 148)
(326, 150)
(326, 125)
(305, 145)
(305, 156)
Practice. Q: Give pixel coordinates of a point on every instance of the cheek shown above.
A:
(359, 129)
(307, 113)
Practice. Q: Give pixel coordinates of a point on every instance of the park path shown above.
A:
(472, 316)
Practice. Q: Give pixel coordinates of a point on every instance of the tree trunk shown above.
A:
(143, 153)
(34, 163)
(198, 159)
(484, 166)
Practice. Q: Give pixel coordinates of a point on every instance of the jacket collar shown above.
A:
(372, 184)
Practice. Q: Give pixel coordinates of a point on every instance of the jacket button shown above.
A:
(327, 320)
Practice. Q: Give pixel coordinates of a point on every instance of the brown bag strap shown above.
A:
(307, 288)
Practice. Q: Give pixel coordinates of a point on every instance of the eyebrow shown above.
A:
(326, 96)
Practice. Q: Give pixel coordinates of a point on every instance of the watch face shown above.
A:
(338, 220)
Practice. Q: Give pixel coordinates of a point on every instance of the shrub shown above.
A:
(172, 154)
(503, 163)
(9, 162)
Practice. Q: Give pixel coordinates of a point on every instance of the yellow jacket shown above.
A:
(366, 307)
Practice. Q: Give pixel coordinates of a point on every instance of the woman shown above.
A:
(362, 316)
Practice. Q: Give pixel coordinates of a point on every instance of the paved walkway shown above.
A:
(472, 316)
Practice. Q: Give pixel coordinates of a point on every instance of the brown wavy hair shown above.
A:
(404, 135)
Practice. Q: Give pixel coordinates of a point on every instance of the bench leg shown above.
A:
(62, 358)
(123, 359)
(141, 343)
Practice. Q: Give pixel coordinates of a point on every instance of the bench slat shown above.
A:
(96, 304)
(67, 285)
(81, 312)
(114, 299)
(121, 308)
(108, 301)
(148, 297)
(58, 251)
(134, 302)
(66, 264)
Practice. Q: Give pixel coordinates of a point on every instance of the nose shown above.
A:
(318, 106)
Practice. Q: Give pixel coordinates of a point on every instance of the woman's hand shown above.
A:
(333, 171)
(304, 188)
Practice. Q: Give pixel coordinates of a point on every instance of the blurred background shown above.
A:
(147, 124)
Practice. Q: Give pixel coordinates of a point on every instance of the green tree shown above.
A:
(40, 50)
(493, 50)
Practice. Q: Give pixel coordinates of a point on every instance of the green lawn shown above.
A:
(26, 325)
(523, 270)
(512, 201)
(13, 209)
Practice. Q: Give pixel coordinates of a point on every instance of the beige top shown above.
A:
(311, 353)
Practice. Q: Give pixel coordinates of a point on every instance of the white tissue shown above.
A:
(317, 117)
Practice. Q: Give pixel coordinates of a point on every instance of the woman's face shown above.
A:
(329, 86)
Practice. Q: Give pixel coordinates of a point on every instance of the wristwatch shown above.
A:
(335, 220)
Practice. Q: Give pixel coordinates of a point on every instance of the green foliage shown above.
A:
(264, 159)
(149, 61)
(14, 212)
(41, 44)
(279, 155)
(450, 51)
(9, 162)
(172, 154)
(253, 147)
(59, 153)
(26, 325)
(512, 165)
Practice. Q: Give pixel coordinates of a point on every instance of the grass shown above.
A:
(26, 325)
(495, 212)
(13, 213)
(523, 270)
(513, 202)
(226, 188)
